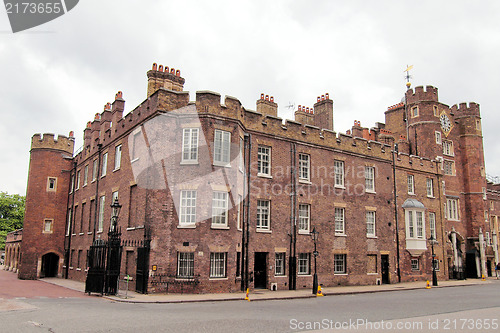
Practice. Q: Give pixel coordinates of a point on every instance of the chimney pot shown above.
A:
(262, 96)
(167, 70)
(177, 73)
(71, 134)
(172, 70)
(154, 66)
(272, 99)
(160, 68)
(267, 97)
(327, 96)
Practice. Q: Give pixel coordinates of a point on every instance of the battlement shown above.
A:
(429, 94)
(49, 141)
(465, 109)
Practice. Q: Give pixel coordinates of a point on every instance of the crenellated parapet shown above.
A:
(49, 141)
(421, 94)
(465, 109)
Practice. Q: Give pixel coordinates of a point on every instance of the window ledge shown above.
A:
(340, 186)
(411, 193)
(370, 191)
(81, 233)
(73, 234)
(116, 169)
(340, 235)
(93, 181)
(99, 232)
(134, 160)
(225, 165)
(264, 231)
(303, 232)
(372, 237)
(371, 273)
(78, 269)
(305, 181)
(431, 197)
(303, 275)
(217, 278)
(340, 274)
(70, 267)
(189, 163)
(281, 276)
(89, 233)
(221, 227)
(186, 226)
(263, 175)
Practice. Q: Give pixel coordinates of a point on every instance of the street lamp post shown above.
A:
(314, 236)
(433, 241)
(115, 211)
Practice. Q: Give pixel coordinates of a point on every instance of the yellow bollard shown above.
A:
(246, 297)
(319, 293)
(483, 278)
(428, 285)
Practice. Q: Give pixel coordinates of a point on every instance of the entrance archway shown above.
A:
(50, 265)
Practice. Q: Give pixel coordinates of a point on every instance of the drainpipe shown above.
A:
(99, 148)
(246, 216)
(394, 152)
(482, 253)
(68, 249)
(292, 264)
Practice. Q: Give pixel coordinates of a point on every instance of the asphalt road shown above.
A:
(435, 310)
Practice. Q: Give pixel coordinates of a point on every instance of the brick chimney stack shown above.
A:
(266, 106)
(168, 78)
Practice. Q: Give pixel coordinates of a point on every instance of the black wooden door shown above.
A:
(384, 258)
(142, 272)
(260, 270)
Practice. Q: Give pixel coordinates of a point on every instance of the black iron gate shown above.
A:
(142, 270)
(104, 259)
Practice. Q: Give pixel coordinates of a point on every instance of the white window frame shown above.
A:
(438, 137)
(411, 184)
(304, 264)
(432, 225)
(222, 148)
(263, 214)
(340, 263)
(135, 137)
(48, 225)
(86, 175)
(104, 164)
(415, 223)
(449, 167)
(238, 211)
(218, 264)
(430, 187)
(370, 179)
(69, 222)
(371, 223)
(304, 167)
(414, 112)
(185, 265)
(452, 209)
(190, 138)
(448, 149)
(304, 218)
(187, 206)
(338, 167)
(219, 209)
(279, 264)
(241, 159)
(102, 203)
(78, 178)
(95, 169)
(118, 157)
(339, 221)
(415, 264)
(51, 184)
(264, 161)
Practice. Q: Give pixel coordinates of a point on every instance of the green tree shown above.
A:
(11, 214)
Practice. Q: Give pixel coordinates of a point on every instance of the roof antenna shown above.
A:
(290, 105)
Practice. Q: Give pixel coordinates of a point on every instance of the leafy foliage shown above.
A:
(11, 214)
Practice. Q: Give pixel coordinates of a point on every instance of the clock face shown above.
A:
(445, 123)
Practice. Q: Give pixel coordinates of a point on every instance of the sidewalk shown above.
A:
(263, 294)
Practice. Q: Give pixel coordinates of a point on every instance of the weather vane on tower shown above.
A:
(408, 76)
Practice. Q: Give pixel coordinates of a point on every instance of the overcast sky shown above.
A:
(55, 77)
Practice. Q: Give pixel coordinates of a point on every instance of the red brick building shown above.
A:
(227, 197)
